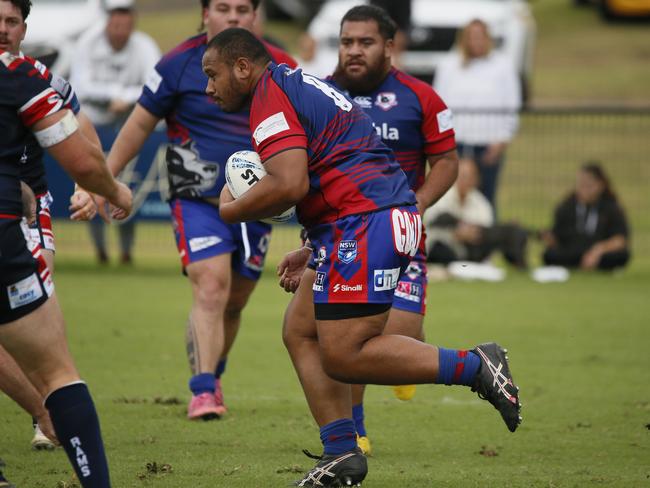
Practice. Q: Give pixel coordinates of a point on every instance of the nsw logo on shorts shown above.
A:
(347, 251)
(319, 281)
(386, 279)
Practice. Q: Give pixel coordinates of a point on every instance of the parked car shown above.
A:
(435, 25)
(53, 26)
(619, 9)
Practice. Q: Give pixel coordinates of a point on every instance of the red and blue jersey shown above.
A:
(32, 169)
(350, 170)
(201, 135)
(411, 119)
(26, 97)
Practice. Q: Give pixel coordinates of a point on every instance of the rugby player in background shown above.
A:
(222, 261)
(415, 123)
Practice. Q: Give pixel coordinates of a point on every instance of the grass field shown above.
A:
(578, 351)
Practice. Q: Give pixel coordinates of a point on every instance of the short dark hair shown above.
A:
(363, 13)
(25, 7)
(206, 3)
(235, 43)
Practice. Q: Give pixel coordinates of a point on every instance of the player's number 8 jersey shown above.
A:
(350, 170)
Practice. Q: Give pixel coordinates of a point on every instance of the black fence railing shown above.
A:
(539, 170)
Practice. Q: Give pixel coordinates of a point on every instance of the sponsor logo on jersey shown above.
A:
(407, 231)
(414, 271)
(347, 288)
(319, 281)
(386, 132)
(199, 243)
(409, 291)
(24, 292)
(386, 279)
(386, 100)
(364, 102)
(270, 126)
(445, 120)
(347, 251)
(153, 80)
(322, 256)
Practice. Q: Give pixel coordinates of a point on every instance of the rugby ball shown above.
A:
(243, 170)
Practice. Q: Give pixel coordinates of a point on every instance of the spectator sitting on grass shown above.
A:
(590, 229)
(460, 226)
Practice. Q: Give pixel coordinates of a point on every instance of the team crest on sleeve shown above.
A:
(347, 251)
(270, 126)
(445, 120)
(386, 100)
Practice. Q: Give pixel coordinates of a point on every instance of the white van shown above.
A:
(53, 26)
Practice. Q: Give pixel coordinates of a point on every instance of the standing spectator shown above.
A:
(112, 62)
(482, 88)
(461, 226)
(589, 229)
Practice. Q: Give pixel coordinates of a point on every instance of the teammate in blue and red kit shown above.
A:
(223, 261)
(31, 323)
(323, 155)
(414, 122)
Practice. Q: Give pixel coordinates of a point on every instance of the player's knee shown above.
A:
(210, 295)
(339, 367)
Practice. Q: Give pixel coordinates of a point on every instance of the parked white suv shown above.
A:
(435, 24)
(53, 26)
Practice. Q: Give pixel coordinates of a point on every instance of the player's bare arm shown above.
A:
(59, 134)
(285, 184)
(442, 175)
(140, 124)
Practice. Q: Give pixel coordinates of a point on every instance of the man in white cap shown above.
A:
(110, 65)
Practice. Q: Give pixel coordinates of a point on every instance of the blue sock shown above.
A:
(221, 368)
(456, 367)
(357, 415)
(202, 383)
(338, 436)
(77, 427)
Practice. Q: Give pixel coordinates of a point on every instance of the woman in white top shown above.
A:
(481, 86)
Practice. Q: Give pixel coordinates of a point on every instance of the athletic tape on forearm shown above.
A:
(58, 132)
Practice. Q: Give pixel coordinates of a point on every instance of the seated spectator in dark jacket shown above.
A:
(460, 226)
(590, 229)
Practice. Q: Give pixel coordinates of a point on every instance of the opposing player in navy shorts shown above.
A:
(322, 154)
(223, 261)
(414, 122)
(32, 173)
(31, 323)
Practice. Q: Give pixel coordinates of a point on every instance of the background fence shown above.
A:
(539, 171)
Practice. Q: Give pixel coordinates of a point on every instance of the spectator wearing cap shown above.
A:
(111, 63)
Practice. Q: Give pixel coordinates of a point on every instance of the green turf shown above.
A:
(578, 351)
